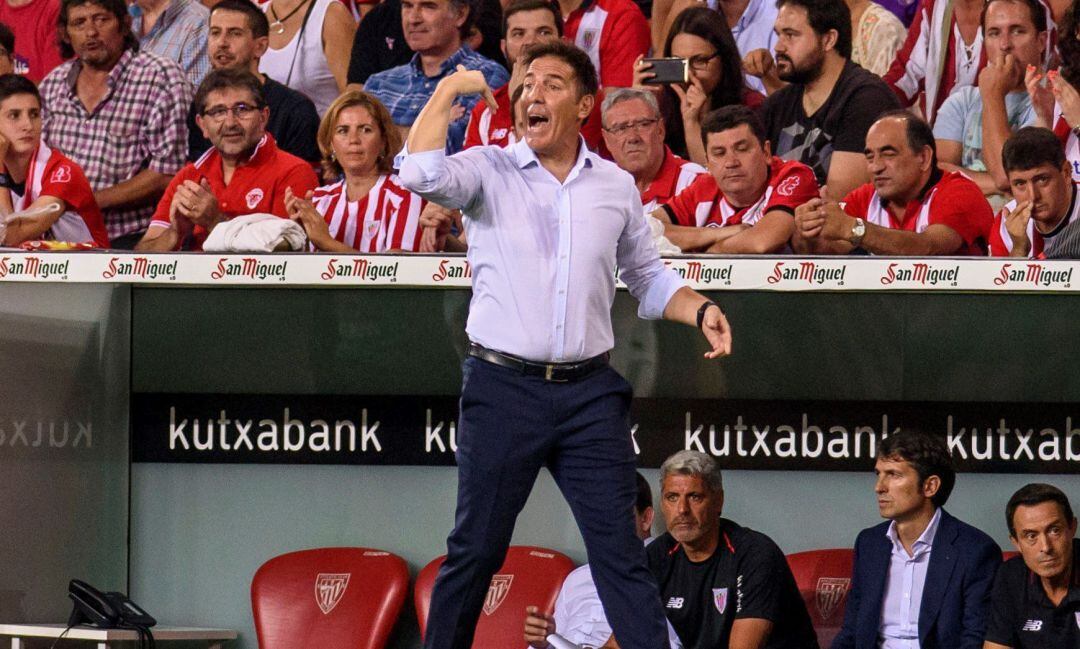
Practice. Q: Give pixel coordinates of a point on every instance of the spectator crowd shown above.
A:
(929, 127)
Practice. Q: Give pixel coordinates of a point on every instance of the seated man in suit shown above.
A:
(923, 578)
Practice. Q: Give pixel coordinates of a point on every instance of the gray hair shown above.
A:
(694, 463)
(613, 96)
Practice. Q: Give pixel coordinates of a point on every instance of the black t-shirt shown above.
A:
(293, 122)
(1023, 617)
(747, 577)
(840, 124)
(379, 43)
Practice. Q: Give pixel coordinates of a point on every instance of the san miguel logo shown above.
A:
(249, 267)
(329, 588)
(1033, 274)
(703, 273)
(920, 273)
(140, 267)
(829, 593)
(451, 269)
(359, 268)
(810, 272)
(497, 592)
(33, 267)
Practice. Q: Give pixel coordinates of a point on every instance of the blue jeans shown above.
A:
(511, 425)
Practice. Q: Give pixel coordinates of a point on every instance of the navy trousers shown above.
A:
(511, 425)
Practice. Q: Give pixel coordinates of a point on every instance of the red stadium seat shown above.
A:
(529, 577)
(823, 577)
(328, 598)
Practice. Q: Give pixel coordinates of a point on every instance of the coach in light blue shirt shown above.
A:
(547, 222)
(922, 580)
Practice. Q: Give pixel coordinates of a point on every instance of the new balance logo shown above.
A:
(1032, 625)
(675, 602)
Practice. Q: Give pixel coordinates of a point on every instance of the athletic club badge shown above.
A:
(719, 596)
(589, 38)
(497, 592)
(329, 589)
(253, 197)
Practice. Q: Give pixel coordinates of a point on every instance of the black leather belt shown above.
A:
(556, 372)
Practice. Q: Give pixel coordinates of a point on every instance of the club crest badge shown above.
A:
(719, 596)
(787, 187)
(253, 197)
(389, 43)
(829, 593)
(589, 38)
(329, 588)
(62, 174)
(497, 592)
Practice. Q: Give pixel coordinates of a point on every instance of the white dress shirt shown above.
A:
(904, 588)
(543, 254)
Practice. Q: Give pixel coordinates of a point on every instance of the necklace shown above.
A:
(278, 26)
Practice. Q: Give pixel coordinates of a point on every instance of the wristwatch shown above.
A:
(858, 231)
(701, 311)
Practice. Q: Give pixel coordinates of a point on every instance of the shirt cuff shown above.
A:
(420, 171)
(659, 293)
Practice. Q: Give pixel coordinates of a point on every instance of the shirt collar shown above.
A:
(925, 541)
(167, 16)
(263, 150)
(525, 156)
(935, 177)
(115, 74)
(748, 15)
(447, 66)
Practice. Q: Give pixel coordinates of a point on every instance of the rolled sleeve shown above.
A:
(453, 181)
(650, 281)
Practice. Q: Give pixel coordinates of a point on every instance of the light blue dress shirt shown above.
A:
(754, 30)
(543, 253)
(904, 588)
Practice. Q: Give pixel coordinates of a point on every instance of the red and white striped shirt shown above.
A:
(703, 204)
(1068, 140)
(1001, 243)
(387, 218)
(675, 175)
(487, 128)
(50, 173)
(613, 33)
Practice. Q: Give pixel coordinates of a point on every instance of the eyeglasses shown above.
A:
(701, 61)
(239, 111)
(636, 126)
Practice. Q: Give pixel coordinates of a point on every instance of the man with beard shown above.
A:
(821, 117)
(910, 208)
(239, 35)
(244, 173)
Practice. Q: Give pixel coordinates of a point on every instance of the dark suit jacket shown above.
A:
(956, 595)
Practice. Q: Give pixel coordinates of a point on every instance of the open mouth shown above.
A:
(536, 121)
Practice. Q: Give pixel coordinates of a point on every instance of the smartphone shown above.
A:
(668, 70)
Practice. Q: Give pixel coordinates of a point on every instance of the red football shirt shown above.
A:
(613, 33)
(257, 186)
(1001, 243)
(387, 218)
(486, 127)
(34, 25)
(791, 183)
(675, 175)
(949, 199)
(50, 173)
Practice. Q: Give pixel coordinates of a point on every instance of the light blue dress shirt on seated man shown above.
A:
(904, 588)
(543, 253)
